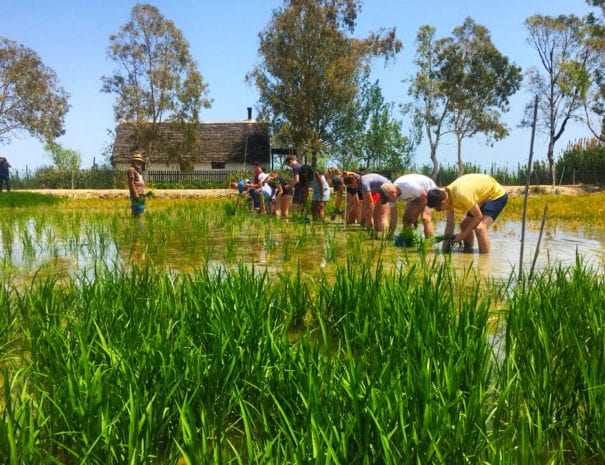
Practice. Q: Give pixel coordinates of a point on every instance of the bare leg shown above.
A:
(302, 207)
(315, 209)
(353, 209)
(380, 216)
(286, 201)
(367, 210)
(321, 210)
(482, 236)
(469, 242)
(427, 222)
(410, 214)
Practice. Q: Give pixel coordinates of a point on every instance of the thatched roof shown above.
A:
(229, 142)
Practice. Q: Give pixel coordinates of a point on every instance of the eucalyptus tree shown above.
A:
(367, 134)
(431, 103)
(310, 67)
(31, 99)
(477, 80)
(156, 81)
(62, 157)
(563, 82)
(594, 104)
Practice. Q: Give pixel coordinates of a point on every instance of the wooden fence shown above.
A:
(190, 176)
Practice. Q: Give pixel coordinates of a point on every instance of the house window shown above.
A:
(217, 165)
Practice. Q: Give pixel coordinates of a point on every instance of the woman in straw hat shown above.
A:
(136, 184)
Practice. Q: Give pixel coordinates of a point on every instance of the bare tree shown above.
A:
(562, 83)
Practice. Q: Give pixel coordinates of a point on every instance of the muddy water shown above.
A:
(314, 249)
(276, 247)
(558, 246)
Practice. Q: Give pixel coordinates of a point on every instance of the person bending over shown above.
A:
(412, 189)
(481, 197)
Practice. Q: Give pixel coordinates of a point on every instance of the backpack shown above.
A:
(306, 174)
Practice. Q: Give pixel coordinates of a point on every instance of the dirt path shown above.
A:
(514, 191)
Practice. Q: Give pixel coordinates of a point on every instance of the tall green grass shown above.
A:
(554, 367)
(145, 365)
(27, 199)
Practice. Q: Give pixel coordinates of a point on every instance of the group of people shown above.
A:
(369, 199)
(273, 194)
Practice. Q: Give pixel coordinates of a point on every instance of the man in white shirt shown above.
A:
(412, 189)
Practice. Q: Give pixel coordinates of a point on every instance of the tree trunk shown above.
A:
(551, 161)
(435, 171)
(459, 162)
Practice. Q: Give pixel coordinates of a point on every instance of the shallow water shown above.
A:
(35, 247)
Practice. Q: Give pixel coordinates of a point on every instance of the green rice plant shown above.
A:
(27, 243)
(407, 237)
(287, 251)
(553, 365)
(331, 247)
(354, 250)
(8, 238)
(362, 362)
(28, 199)
(269, 241)
(230, 248)
(230, 208)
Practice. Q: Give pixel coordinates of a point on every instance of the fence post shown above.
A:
(527, 179)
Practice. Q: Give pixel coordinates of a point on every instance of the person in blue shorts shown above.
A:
(481, 197)
(136, 184)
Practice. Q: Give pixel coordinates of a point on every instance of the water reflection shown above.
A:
(273, 245)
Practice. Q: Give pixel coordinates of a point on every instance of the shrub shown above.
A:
(582, 162)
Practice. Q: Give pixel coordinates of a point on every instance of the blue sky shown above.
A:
(71, 36)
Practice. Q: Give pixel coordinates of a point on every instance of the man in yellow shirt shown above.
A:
(481, 197)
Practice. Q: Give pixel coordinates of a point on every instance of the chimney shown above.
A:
(249, 113)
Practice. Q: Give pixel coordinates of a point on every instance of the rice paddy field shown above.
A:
(207, 334)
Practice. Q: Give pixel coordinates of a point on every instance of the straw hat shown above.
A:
(137, 156)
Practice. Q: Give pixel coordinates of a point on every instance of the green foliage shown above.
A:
(461, 86)
(431, 104)
(368, 135)
(62, 157)
(583, 162)
(477, 80)
(302, 101)
(594, 102)
(27, 199)
(156, 80)
(561, 85)
(408, 237)
(32, 99)
(551, 329)
(233, 366)
(51, 178)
